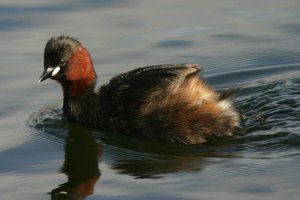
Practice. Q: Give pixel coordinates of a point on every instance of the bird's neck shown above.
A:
(78, 88)
(80, 101)
(80, 74)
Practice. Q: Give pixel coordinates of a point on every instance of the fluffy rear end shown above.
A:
(190, 113)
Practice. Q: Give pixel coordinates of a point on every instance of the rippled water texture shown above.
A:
(250, 45)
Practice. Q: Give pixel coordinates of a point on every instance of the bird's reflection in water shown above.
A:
(81, 166)
(147, 159)
(134, 157)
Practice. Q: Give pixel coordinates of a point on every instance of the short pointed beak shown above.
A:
(49, 72)
(46, 74)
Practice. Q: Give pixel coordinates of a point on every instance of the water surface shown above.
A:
(253, 45)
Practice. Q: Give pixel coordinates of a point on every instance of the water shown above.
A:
(253, 45)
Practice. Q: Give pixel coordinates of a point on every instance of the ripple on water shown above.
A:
(48, 123)
(271, 114)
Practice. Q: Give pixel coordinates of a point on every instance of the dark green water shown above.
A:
(253, 45)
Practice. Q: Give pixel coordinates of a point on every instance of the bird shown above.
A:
(168, 103)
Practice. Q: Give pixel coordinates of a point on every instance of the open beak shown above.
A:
(49, 72)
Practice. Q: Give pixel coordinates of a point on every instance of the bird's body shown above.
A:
(163, 102)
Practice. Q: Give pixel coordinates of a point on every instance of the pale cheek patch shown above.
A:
(55, 71)
(49, 69)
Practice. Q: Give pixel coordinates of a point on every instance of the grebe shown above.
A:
(162, 102)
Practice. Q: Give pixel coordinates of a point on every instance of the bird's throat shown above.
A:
(73, 89)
